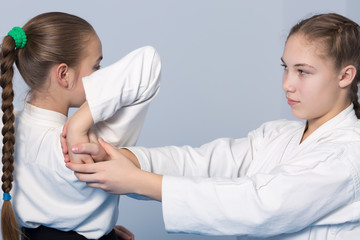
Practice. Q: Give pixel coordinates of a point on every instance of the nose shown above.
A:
(288, 84)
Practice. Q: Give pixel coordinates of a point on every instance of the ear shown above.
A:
(62, 75)
(347, 75)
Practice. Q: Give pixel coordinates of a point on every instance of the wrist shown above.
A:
(131, 156)
(81, 120)
(149, 185)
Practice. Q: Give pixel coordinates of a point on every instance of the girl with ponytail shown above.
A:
(58, 55)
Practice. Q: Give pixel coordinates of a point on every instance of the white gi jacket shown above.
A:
(45, 191)
(265, 186)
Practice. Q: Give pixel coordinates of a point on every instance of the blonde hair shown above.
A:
(53, 38)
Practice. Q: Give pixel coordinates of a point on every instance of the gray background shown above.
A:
(221, 68)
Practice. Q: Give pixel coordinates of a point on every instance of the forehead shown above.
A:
(298, 48)
(94, 47)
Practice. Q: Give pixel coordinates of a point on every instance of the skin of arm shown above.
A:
(92, 148)
(77, 129)
(119, 175)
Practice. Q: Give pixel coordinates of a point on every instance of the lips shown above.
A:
(292, 102)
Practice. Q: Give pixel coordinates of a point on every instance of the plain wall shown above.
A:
(221, 73)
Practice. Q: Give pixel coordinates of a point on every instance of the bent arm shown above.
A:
(119, 95)
(77, 127)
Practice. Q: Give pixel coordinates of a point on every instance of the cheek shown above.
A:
(320, 94)
(86, 73)
(80, 87)
(80, 92)
(83, 73)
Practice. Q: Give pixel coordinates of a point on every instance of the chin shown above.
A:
(77, 104)
(299, 115)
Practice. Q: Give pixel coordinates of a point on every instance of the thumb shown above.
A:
(109, 149)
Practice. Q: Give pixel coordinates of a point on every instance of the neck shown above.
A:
(49, 103)
(313, 124)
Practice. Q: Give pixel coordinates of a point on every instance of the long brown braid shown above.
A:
(9, 225)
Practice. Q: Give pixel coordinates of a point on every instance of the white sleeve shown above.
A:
(287, 199)
(119, 95)
(222, 157)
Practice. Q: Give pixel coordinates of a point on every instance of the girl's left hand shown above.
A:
(92, 148)
(123, 234)
(117, 175)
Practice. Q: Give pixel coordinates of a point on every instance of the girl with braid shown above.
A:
(285, 180)
(58, 55)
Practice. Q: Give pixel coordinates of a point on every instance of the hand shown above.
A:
(93, 148)
(76, 130)
(67, 140)
(112, 176)
(64, 146)
(118, 175)
(123, 234)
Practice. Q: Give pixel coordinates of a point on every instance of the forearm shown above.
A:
(219, 158)
(143, 183)
(81, 121)
(129, 155)
(149, 185)
(77, 132)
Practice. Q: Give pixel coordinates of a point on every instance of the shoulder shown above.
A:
(276, 128)
(342, 135)
(40, 145)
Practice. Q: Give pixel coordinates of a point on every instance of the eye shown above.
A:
(302, 72)
(97, 67)
(284, 66)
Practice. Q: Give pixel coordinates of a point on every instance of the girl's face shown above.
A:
(89, 64)
(310, 81)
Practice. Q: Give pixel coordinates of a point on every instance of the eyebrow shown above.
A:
(299, 64)
(100, 58)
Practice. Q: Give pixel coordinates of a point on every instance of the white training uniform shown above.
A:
(265, 186)
(45, 191)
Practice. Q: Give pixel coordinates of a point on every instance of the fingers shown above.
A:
(82, 168)
(64, 131)
(85, 148)
(110, 150)
(91, 180)
(86, 158)
(92, 136)
(123, 229)
(63, 144)
(89, 173)
(67, 158)
(123, 233)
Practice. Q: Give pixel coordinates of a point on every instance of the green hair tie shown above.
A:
(19, 36)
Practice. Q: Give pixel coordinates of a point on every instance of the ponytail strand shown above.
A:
(9, 225)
